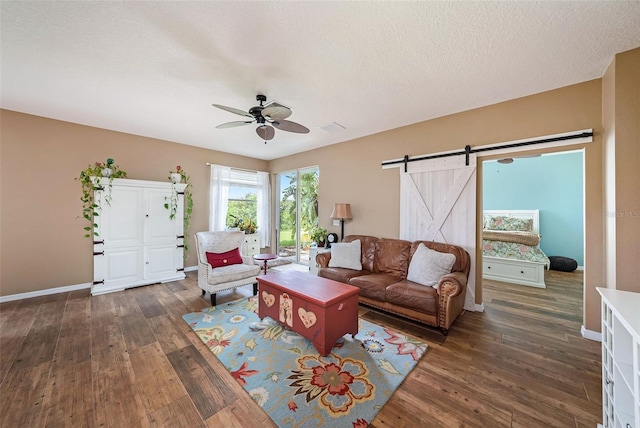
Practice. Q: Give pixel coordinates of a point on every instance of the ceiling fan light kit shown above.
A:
(268, 117)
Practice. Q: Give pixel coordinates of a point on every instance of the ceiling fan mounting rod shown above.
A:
(261, 98)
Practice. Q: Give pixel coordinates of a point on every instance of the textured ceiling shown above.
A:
(155, 68)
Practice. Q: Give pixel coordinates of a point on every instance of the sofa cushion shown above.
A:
(412, 295)
(428, 266)
(462, 263)
(346, 255)
(373, 286)
(341, 274)
(367, 249)
(392, 257)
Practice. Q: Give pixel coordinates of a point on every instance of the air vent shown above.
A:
(333, 127)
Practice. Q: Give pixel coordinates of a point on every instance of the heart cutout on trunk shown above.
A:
(269, 299)
(307, 318)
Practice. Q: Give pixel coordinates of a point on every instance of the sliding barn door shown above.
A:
(438, 203)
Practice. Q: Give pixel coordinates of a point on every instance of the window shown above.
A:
(242, 205)
(240, 195)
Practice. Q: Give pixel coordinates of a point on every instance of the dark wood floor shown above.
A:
(128, 359)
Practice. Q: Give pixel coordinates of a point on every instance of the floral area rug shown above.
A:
(291, 381)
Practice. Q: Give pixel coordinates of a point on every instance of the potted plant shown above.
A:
(319, 235)
(179, 176)
(245, 225)
(89, 179)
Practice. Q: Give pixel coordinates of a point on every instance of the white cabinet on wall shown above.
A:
(620, 358)
(137, 243)
(251, 245)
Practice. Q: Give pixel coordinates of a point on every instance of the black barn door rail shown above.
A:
(468, 150)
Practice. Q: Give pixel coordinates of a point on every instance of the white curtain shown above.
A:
(222, 177)
(219, 185)
(264, 211)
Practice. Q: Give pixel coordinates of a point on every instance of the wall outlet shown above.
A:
(336, 222)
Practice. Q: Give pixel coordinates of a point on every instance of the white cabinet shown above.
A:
(251, 245)
(137, 243)
(620, 358)
(313, 252)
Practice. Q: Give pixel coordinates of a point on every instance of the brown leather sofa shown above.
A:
(383, 280)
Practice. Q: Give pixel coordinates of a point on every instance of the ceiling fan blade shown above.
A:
(233, 124)
(265, 132)
(276, 113)
(232, 110)
(287, 125)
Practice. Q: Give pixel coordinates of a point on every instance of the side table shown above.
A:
(313, 252)
(265, 258)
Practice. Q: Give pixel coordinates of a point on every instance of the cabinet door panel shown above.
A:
(160, 261)
(124, 266)
(120, 221)
(159, 227)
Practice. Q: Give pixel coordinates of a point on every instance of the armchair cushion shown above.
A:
(231, 273)
(231, 257)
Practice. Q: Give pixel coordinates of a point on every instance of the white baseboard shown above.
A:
(56, 290)
(45, 292)
(591, 335)
(580, 268)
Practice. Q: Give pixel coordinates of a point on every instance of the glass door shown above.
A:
(298, 212)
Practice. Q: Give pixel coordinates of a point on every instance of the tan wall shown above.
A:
(609, 165)
(627, 170)
(41, 238)
(351, 171)
(42, 244)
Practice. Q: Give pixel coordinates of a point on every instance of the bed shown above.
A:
(511, 247)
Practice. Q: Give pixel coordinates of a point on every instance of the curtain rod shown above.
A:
(468, 150)
(234, 168)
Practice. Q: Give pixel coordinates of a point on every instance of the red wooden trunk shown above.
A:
(320, 309)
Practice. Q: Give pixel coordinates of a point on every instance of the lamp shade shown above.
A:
(341, 211)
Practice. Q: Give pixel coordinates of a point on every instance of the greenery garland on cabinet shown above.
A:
(179, 176)
(88, 178)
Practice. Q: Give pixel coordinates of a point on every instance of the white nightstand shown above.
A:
(251, 245)
(313, 251)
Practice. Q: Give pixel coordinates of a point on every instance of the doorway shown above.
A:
(553, 183)
(297, 212)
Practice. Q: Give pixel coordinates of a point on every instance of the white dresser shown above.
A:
(251, 245)
(137, 242)
(313, 251)
(620, 358)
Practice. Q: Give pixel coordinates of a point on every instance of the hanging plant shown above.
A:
(179, 176)
(88, 178)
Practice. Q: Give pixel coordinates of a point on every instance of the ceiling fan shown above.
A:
(267, 117)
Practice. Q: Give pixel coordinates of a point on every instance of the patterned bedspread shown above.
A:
(512, 250)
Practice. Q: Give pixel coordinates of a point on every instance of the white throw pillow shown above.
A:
(427, 266)
(346, 255)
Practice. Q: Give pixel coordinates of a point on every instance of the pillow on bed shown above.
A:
(346, 255)
(510, 223)
(428, 266)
